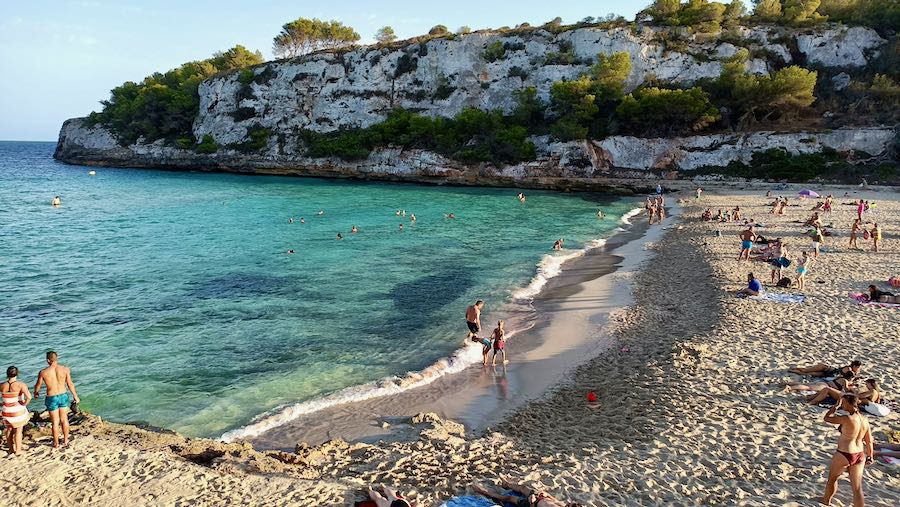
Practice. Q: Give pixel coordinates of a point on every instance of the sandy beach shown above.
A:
(691, 408)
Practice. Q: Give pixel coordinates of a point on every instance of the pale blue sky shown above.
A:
(61, 57)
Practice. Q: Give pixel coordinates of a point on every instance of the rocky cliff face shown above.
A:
(330, 91)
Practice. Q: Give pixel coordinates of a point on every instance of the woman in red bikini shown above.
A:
(855, 449)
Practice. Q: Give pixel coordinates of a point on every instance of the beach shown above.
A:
(691, 408)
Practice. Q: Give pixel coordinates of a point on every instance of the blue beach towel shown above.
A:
(477, 501)
(776, 297)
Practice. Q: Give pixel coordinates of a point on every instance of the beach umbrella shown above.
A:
(808, 193)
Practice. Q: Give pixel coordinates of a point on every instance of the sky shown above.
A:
(61, 57)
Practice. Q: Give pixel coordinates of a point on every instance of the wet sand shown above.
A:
(566, 327)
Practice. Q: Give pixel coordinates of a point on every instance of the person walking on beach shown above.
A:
(498, 337)
(57, 378)
(855, 449)
(854, 232)
(699, 191)
(747, 236)
(860, 209)
(473, 319)
(876, 237)
(15, 412)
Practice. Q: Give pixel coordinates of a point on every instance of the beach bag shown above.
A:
(866, 234)
(784, 283)
(876, 409)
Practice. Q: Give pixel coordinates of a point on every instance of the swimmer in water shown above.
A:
(412, 217)
(321, 212)
(397, 213)
(291, 220)
(302, 221)
(401, 227)
(340, 236)
(290, 251)
(558, 244)
(56, 202)
(599, 213)
(354, 229)
(449, 215)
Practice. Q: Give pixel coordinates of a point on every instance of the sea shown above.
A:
(176, 300)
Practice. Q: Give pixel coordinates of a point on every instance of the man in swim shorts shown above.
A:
(57, 378)
(747, 238)
(473, 319)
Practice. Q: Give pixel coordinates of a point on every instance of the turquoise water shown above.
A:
(174, 300)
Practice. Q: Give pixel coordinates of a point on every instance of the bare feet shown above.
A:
(481, 491)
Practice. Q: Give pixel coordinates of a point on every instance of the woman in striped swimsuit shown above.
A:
(15, 414)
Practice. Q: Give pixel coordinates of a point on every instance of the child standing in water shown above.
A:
(803, 264)
(499, 340)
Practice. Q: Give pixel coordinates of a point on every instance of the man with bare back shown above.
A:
(855, 449)
(473, 319)
(57, 378)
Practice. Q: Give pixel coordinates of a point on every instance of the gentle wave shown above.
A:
(549, 267)
(626, 218)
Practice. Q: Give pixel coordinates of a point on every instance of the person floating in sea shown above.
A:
(747, 236)
(412, 217)
(56, 378)
(397, 213)
(473, 319)
(302, 221)
(340, 236)
(291, 220)
(498, 338)
(599, 213)
(354, 229)
(558, 245)
(291, 251)
(401, 227)
(56, 202)
(449, 215)
(15, 409)
(321, 212)
(855, 448)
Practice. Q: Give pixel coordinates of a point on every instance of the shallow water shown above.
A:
(173, 297)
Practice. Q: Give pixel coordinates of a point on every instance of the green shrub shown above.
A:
(258, 138)
(565, 55)
(662, 112)
(443, 89)
(472, 136)
(494, 51)
(184, 143)
(882, 15)
(164, 106)
(517, 71)
(207, 145)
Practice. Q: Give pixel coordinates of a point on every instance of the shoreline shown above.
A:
(480, 397)
(692, 413)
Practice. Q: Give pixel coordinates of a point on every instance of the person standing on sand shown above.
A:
(855, 449)
(860, 208)
(803, 264)
(498, 337)
(854, 232)
(699, 191)
(473, 319)
(876, 237)
(57, 378)
(747, 238)
(15, 412)
(818, 238)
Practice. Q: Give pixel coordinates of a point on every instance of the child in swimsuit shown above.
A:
(802, 267)
(499, 341)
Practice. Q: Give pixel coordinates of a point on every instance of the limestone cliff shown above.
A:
(329, 91)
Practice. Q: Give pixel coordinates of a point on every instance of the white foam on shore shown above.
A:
(626, 218)
(549, 267)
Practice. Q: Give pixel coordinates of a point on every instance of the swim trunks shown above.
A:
(801, 270)
(57, 402)
(853, 458)
(499, 344)
(473, 327)
(486, 342)
(746, 244)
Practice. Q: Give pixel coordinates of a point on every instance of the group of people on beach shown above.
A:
(655, 206)
(495, 342)
(57, 382)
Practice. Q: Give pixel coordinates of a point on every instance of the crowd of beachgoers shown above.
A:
(695, 403)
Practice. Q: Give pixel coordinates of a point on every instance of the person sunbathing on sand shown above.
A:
(841, 384)
(888, 450)
(880, 296)
(823, 370)
(868, 394)
(855, 449)
(388, 498)
(532, 498)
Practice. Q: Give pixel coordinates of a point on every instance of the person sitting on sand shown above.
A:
(747, 236)
(754, 286)
(531, 498)
(388, 498)
(880, 296)
(813, 220)
(57, 378)
(823, 370)
(855, 448)
(498, 338)
(15, 409)
(707, 215)
(736, 214)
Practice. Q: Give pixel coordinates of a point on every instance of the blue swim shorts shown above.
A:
(57, 402)
(746, 245)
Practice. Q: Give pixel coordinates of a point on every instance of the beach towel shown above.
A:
(890, 460)
(776, 297)
(864, 300)
(876, 409)
(477, 501)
